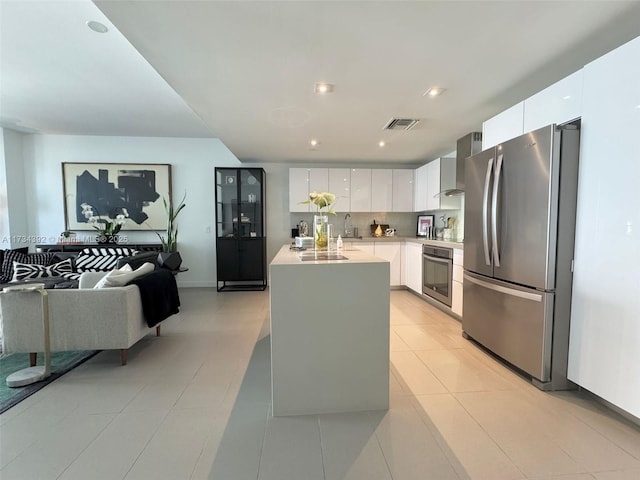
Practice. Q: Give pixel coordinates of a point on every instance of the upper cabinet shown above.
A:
(356, 190)
(303, 181)
(504, 126)
(430, 180)
(382, 190)
(360, 189)
(402, 190)
(420, 189)
(441, 175)
(318, 180)
(559, 103)
(298, 189)
(340, 185)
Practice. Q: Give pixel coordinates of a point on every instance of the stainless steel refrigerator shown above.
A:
(520, 203)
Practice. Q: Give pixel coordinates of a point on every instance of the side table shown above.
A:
(30, 375)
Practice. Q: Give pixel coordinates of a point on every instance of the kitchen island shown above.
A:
(329, 332)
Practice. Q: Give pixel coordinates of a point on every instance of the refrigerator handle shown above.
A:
(485, 212)
(536, 297)
(494, 213)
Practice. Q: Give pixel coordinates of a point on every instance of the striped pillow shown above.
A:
(95, 259)
(23, 271)
(11, 256)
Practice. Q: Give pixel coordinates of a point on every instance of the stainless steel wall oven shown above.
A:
(437, 273)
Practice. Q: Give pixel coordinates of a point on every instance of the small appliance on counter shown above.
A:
(304, 242)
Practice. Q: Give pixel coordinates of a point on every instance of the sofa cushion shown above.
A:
(23, 271)
(100, 259)
(19, 256)
(119, 277)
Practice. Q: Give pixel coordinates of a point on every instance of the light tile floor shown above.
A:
(194, 404)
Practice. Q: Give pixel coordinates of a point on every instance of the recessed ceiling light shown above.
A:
(97, 26)
(323, 88)
(381, 143)
(313, 142)
(567, 97)
(434, 92)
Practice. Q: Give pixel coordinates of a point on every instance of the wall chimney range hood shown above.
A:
(466, 146)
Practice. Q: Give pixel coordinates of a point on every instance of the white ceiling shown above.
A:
(244, 71)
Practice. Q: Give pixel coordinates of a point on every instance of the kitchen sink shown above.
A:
(312, 256)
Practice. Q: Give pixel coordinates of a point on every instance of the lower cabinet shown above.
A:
(413, 266)
(241, 261)
(456, 301)
(392, 253)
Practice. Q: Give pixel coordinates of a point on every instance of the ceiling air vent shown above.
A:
(400, 124)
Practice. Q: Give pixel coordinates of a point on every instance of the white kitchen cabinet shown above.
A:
(367, 247)
(298, 189)
(391, 252)
(402, 190)
(558, 103)
(318, 180)
(457, 284)
(504, 126)
(420, 188)
(441, 175)
(433, 185)
(382, 190)
(303, 181)
(340, 185)
(360, 189)
(604, 344)
(413, 265)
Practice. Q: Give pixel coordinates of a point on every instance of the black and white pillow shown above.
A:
(24, 271)
(11, 256)
(101, 259)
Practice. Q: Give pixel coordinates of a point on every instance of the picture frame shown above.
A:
(424, 225)
(113, 188)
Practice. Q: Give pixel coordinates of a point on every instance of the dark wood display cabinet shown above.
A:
(241, 245)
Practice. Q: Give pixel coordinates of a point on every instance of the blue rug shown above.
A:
(61, 363)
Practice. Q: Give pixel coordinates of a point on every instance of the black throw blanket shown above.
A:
(159, 295)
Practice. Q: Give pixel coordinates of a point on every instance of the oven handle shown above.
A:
(437, 259)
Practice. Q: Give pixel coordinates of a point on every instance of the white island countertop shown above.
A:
(286, 256)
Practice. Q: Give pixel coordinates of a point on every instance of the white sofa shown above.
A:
(80, 319)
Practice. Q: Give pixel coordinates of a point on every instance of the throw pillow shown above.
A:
(100, 259)
(23, 271)
(119, 277)
(19, 256)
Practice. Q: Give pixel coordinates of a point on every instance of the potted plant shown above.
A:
(170, 257)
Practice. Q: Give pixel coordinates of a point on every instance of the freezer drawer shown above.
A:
(513, 322)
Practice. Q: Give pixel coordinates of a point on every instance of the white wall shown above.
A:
(192, 160)
(5, 241)
(13, 205)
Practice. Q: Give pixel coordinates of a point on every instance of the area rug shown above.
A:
(61, 363)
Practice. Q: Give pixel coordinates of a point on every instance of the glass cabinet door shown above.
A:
(239, 203)
(226, 202)
(250, 203)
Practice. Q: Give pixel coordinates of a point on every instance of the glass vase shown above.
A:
(321, 232)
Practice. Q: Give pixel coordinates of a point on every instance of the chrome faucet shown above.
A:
(347, 225)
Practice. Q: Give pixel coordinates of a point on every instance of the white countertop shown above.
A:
(423, 241)
(292, 257)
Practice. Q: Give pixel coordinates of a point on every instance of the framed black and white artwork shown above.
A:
(111, 189)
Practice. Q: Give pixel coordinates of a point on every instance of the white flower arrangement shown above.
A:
(105, 227)
(321, 200)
